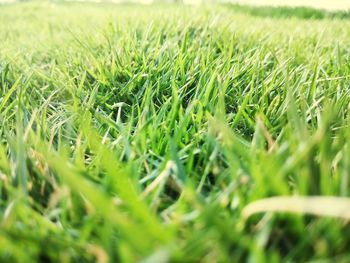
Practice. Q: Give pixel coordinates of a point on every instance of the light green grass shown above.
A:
(132, 133)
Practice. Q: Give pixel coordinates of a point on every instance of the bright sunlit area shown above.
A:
(323, 4)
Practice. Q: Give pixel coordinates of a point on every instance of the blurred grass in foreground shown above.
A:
(141, 133)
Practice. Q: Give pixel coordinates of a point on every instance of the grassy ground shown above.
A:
(142, 133)
(289, 12)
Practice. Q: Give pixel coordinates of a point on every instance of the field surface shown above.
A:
(323, 4)
(155, 134)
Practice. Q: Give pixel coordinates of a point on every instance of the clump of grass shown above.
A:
(143, 134)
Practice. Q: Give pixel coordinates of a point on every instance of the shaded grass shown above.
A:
(141, 133)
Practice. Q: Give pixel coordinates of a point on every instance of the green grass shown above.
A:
(140, 133)
(290, 12)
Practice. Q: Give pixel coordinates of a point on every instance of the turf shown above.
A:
(290, 12)
(141, 133)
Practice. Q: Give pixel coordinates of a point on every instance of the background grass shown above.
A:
(289, 12)
(140, 133)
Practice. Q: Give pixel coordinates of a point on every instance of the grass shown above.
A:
(289, 12)
(146, 134)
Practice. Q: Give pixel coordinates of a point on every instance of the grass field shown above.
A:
(156, 133)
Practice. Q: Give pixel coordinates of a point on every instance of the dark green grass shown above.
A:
(289, 12)
(133, 133)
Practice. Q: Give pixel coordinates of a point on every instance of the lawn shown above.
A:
(156, 133)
